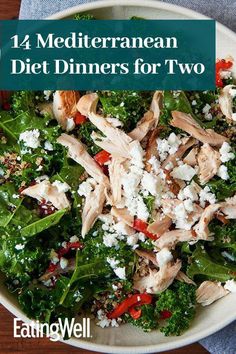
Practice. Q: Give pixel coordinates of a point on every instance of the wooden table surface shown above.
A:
(9, 9)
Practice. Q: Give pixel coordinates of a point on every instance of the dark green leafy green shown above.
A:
(148, 320)
(221, 188)
(127, 106)
(174, 101)
(25, 101)
(180, 300)
(84, 272)
(8, 204)
(42, 224)
(70, 173)
(204, 267)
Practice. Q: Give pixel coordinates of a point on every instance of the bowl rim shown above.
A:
(178, 341)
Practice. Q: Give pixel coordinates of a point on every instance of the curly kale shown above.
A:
(85, 132)
(148, 320)
(127, 106)
(149, 201)
(26, 101)
(180, 300)
(220, 188)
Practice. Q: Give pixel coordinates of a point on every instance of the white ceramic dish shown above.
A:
(128, 339)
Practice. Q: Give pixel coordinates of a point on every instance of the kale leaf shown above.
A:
(42, 224)
(203, 266)
(220, 187)
(148, 320)
(127, 106)
(8, 204)
(180, 300)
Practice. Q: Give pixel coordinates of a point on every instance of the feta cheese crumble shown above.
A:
(119, 271)
(206, 196)
(63, 262)
(19, 247)
(226, 153)
(86, 187)
(163, 257)
(70, 124)
(223, 172)
(168, 146)
(62, 187)
(183, 172)
(207, 114)
(30, 138)
(48, 146)
(104, 321)
(47, 94)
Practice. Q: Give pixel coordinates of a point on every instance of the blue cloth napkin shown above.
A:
(224, 11)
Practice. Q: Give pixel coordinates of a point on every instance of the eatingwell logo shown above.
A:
(55, 331)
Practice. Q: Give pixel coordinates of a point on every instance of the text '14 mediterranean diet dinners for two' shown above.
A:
(120, 204)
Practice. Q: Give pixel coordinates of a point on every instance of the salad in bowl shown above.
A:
(119, 204)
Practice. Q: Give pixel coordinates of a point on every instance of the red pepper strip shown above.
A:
(165, 314)
(51, 268)
(221, 65)
(64, 250)
(142, 226)
(79, 118)
(102, 157)
(135, 313)
(136, 299)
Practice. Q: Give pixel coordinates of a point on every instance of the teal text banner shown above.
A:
(107, 55)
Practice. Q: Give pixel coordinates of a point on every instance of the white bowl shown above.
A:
(126, 338)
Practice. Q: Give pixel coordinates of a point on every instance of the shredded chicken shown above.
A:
(170, 238)
(46, 191)
(169, 206)
(87, 104)
(159, 226)
(181, 276)
(229, 208)
(149, 120)
(208, 214)
(143, 127)
(151, 148)
(156, 282)
(149, 255)
(188, 124)
(116, 147)
(179, 153)
(156, 105)
(209, 162)
(116, 171)
(64, 106)
(226, 103)
(116, 141)
(78, 153)
(191, 158)
(123, 215)
(209, 291)
(92, 208)
(173, 184)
